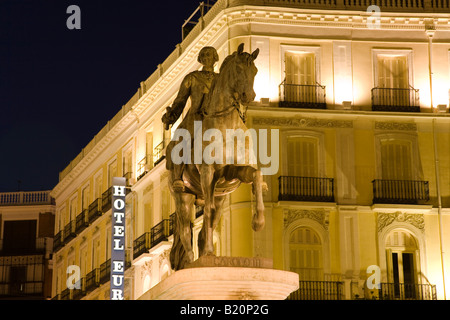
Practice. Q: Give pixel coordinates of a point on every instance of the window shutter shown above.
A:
(303, 157)
(396, 160)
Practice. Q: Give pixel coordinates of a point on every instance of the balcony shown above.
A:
(405, 291)
(395, 99)
(158, 233)
(144, 166)
(308, 96)
(158, 153)
(41, 245)
(400, 191)
(92, 280)
(81, 221)
(106, 200)
(105, 271)
(77, 294)
(95, 210)
(293, 188)
(318, 290)
(69, 231)
(57, 242)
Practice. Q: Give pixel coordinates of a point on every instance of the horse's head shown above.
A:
(241, 72)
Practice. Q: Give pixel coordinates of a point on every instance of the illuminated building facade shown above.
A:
(361, 104)
(26, 244)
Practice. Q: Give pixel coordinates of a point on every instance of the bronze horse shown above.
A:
(222, 110)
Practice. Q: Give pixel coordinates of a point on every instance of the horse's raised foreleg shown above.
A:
(259, 186)
(208, 183)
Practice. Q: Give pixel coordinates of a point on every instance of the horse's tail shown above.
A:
(178, 254)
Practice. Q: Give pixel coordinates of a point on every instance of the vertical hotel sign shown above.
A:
(118, 239)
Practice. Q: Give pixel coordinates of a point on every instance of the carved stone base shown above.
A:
(226, 278)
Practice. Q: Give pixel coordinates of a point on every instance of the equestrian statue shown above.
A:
(218, 101)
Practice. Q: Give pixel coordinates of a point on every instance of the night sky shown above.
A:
(59, 87)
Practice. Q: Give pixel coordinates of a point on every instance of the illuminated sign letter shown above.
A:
(118, 239)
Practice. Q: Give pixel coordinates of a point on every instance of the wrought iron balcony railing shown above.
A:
(395, 99)
(311, 96)
(400, 191)
(92, 280)
(158, 233)
(21, 289)
(293, 188)
(405, 291)
(318, 290)
(106, 200)
(57, 241)
(158, 153)
(105, 271)
(69, 231)
(95, 210)
(81, 221)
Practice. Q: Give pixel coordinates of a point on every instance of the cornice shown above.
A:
(245, 14)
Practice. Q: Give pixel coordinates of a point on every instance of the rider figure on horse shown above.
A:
(195, 85)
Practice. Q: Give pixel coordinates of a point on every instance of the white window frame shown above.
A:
(417, 172)
(300, 49)
(399, 52)
(318, 136)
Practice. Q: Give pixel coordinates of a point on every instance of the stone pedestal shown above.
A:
(226, 278)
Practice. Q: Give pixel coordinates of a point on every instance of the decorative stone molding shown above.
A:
(385, 219)
(321, 216)
(146, 268)
(164, 256)
(395, 126)
(302, 122)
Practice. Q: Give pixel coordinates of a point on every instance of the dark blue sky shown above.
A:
(59, 87)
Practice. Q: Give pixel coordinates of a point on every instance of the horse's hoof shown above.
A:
(178, 186)
(257, 224)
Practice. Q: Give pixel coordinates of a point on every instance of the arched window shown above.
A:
(305, 254)
(402, 259)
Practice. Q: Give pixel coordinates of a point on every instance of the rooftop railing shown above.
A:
(25, 198)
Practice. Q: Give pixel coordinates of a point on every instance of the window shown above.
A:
(305, 254)
(98, 186)
(302, 157)
(300, 68)
(112, 172)
(73, 208)
(127, 163)
(19, 237)
(392, 71)
(96, 253)
(300, 87)
(85, 198)
(393, 81)
(401, 256)
(396, 160)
